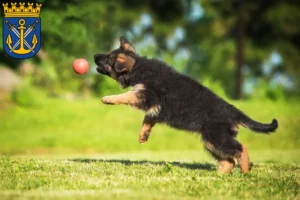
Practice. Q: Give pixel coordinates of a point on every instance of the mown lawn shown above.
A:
(85, 150)
(156, 176)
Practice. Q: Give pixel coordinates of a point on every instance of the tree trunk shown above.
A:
(240, 50)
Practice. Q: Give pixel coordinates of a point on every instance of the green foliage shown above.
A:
(178, 64)
(215, 86)
(109, 86)
(77, 29)
(82, 28)
(265, 23)
(24, 96)
(217, 64)
(263, 91)
(276, 93)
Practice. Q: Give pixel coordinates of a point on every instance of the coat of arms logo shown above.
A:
(21, 29)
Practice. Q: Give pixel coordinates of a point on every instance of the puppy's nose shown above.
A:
(97, 57)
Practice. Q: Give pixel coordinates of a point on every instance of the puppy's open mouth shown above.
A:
(103, 69)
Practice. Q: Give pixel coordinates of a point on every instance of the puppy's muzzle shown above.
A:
(100, 62)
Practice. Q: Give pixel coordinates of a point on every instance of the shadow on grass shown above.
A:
(202, 166)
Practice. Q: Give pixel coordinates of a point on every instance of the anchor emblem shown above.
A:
(21, 29)
(22, 36)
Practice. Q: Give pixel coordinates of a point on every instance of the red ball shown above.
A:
(81, 66)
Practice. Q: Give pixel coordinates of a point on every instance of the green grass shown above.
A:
(89, 126)
(146, 176)
(85, 150)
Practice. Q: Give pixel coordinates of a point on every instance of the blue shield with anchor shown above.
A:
(21, 36)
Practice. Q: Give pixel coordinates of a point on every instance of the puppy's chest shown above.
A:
(150, 101)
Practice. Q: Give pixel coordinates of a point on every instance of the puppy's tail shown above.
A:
(257, 126)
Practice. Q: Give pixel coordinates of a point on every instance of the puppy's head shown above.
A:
(117, 62)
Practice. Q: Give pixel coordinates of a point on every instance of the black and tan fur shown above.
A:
(169, 97)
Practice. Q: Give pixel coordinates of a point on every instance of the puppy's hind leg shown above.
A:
(224, 147)
(243, 160)
(226, 165)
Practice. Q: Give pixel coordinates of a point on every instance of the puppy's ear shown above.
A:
(124, 63)
(125, 45)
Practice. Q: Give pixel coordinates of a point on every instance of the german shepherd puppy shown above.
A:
(169, 97)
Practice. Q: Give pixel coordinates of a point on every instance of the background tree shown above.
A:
(230, 42)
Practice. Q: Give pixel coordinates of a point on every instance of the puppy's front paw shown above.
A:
(144, 137)
(108, 100)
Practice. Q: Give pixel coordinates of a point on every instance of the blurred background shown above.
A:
(248, 52)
